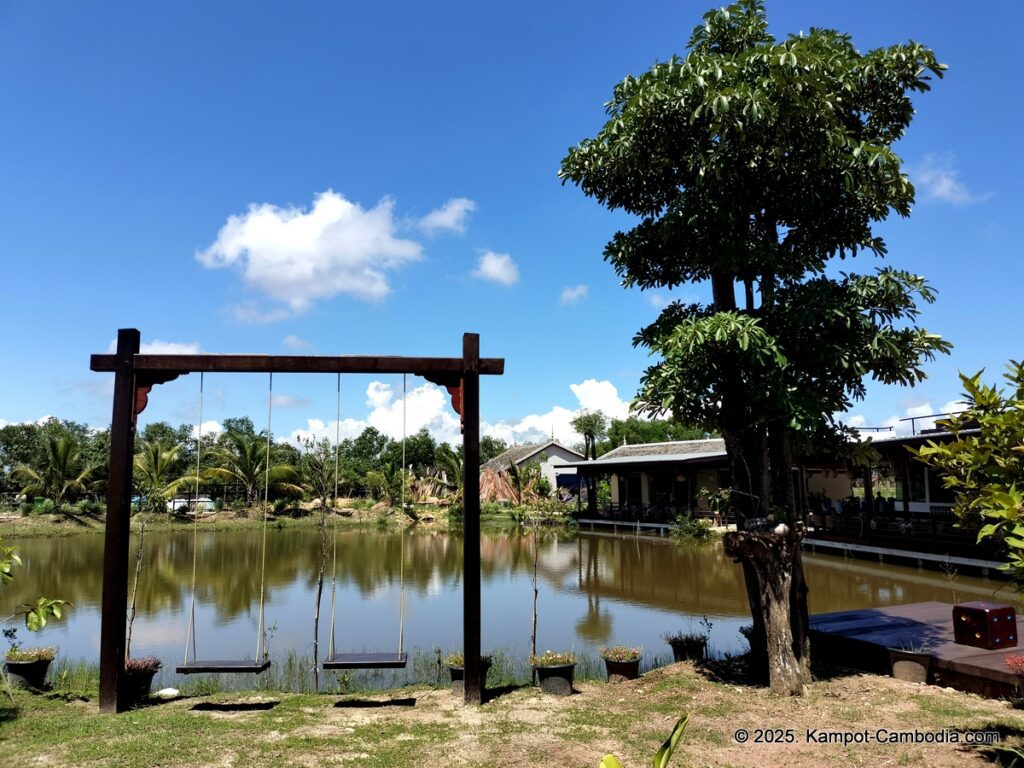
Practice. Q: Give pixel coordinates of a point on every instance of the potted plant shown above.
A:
(138, 676)
(456, 664)
(911, 662)
(26, 667)
(690, 645)
(554, 672)
(621, 662)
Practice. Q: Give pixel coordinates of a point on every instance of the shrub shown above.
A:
(145, 664)
(692, 529)
(621, 653)
(31, 654)
(553, 659)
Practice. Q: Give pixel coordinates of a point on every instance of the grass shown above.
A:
(425, 724)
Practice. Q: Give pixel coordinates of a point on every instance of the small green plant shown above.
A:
(663, 755)
(553, 659)
(458, 660)
(30, 654)
(691, 529)
(621, 653)
(691, 635)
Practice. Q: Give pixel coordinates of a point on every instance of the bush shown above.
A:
(691, 529)
(89, 507)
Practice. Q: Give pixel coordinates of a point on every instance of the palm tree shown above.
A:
(155, 466)
(242, 459)
(64, 473)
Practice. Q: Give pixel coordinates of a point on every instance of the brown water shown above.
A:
(595, 589)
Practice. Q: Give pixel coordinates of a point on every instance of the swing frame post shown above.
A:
(471, 517)
(117, 533)
(134, 376)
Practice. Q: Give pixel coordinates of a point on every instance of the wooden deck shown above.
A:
(874, 638)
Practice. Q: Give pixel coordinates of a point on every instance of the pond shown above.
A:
(594, 589)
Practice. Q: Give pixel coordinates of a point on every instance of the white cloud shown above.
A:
(296, 256)
(601, 396)
(209, 428)
(291, 341)
(497, 268)
(658, 300)
(937, 179)
(451, 216)
(157, 347)
(574, 295)
(378, 394)
(429, 407)
(591, 395)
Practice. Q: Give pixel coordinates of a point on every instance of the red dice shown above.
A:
(985, 625)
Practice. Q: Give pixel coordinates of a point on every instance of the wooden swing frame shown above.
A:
(136, 374)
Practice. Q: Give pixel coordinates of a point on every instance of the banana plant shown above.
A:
(663, 755)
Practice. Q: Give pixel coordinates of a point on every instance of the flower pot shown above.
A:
(459, 675)
(622, 670)
(27, 674)
(556, 679)
(912, 666)
(137, 683)
(689, 649)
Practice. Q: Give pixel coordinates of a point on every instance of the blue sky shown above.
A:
(180, 167)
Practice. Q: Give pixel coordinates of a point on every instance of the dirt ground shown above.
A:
(631, 719)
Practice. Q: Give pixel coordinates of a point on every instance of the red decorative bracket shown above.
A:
(145, 381)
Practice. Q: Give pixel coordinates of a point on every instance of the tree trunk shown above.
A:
(777, 592)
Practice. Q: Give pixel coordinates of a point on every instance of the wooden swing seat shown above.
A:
(366, 661)
(223, 666)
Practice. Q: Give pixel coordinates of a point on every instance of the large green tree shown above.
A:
(61, 476)
(752, 164)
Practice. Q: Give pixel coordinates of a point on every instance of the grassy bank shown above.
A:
(518, 725)
(14, 526)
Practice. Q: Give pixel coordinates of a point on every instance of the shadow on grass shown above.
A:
(235, 706)
(375, 703)
(492, 694)
(1002, 754)
(8, 712)
(743, 670)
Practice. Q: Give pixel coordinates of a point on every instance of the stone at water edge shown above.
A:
(166, 693)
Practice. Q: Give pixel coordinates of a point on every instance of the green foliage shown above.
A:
(985, 468)
(62, 475)
(31, 654)
(593, 426)
(38, 613)
(636, 431)
(752, 163)
(621, 653)
(491, 447)
(690, 528)
(553, 659)
(157, 474)
(663, 755)
(241, 457)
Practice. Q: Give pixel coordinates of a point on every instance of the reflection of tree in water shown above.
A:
(656, 573)
(596, 625)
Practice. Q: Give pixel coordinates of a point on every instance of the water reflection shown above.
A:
(594, 589)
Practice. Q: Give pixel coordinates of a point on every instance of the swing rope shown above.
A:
(401, 560)
(397, 660)
(261, 644)
(190, 634)
(334, 548)
(262, 661)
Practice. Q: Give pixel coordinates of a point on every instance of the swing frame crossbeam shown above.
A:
(135, 375)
